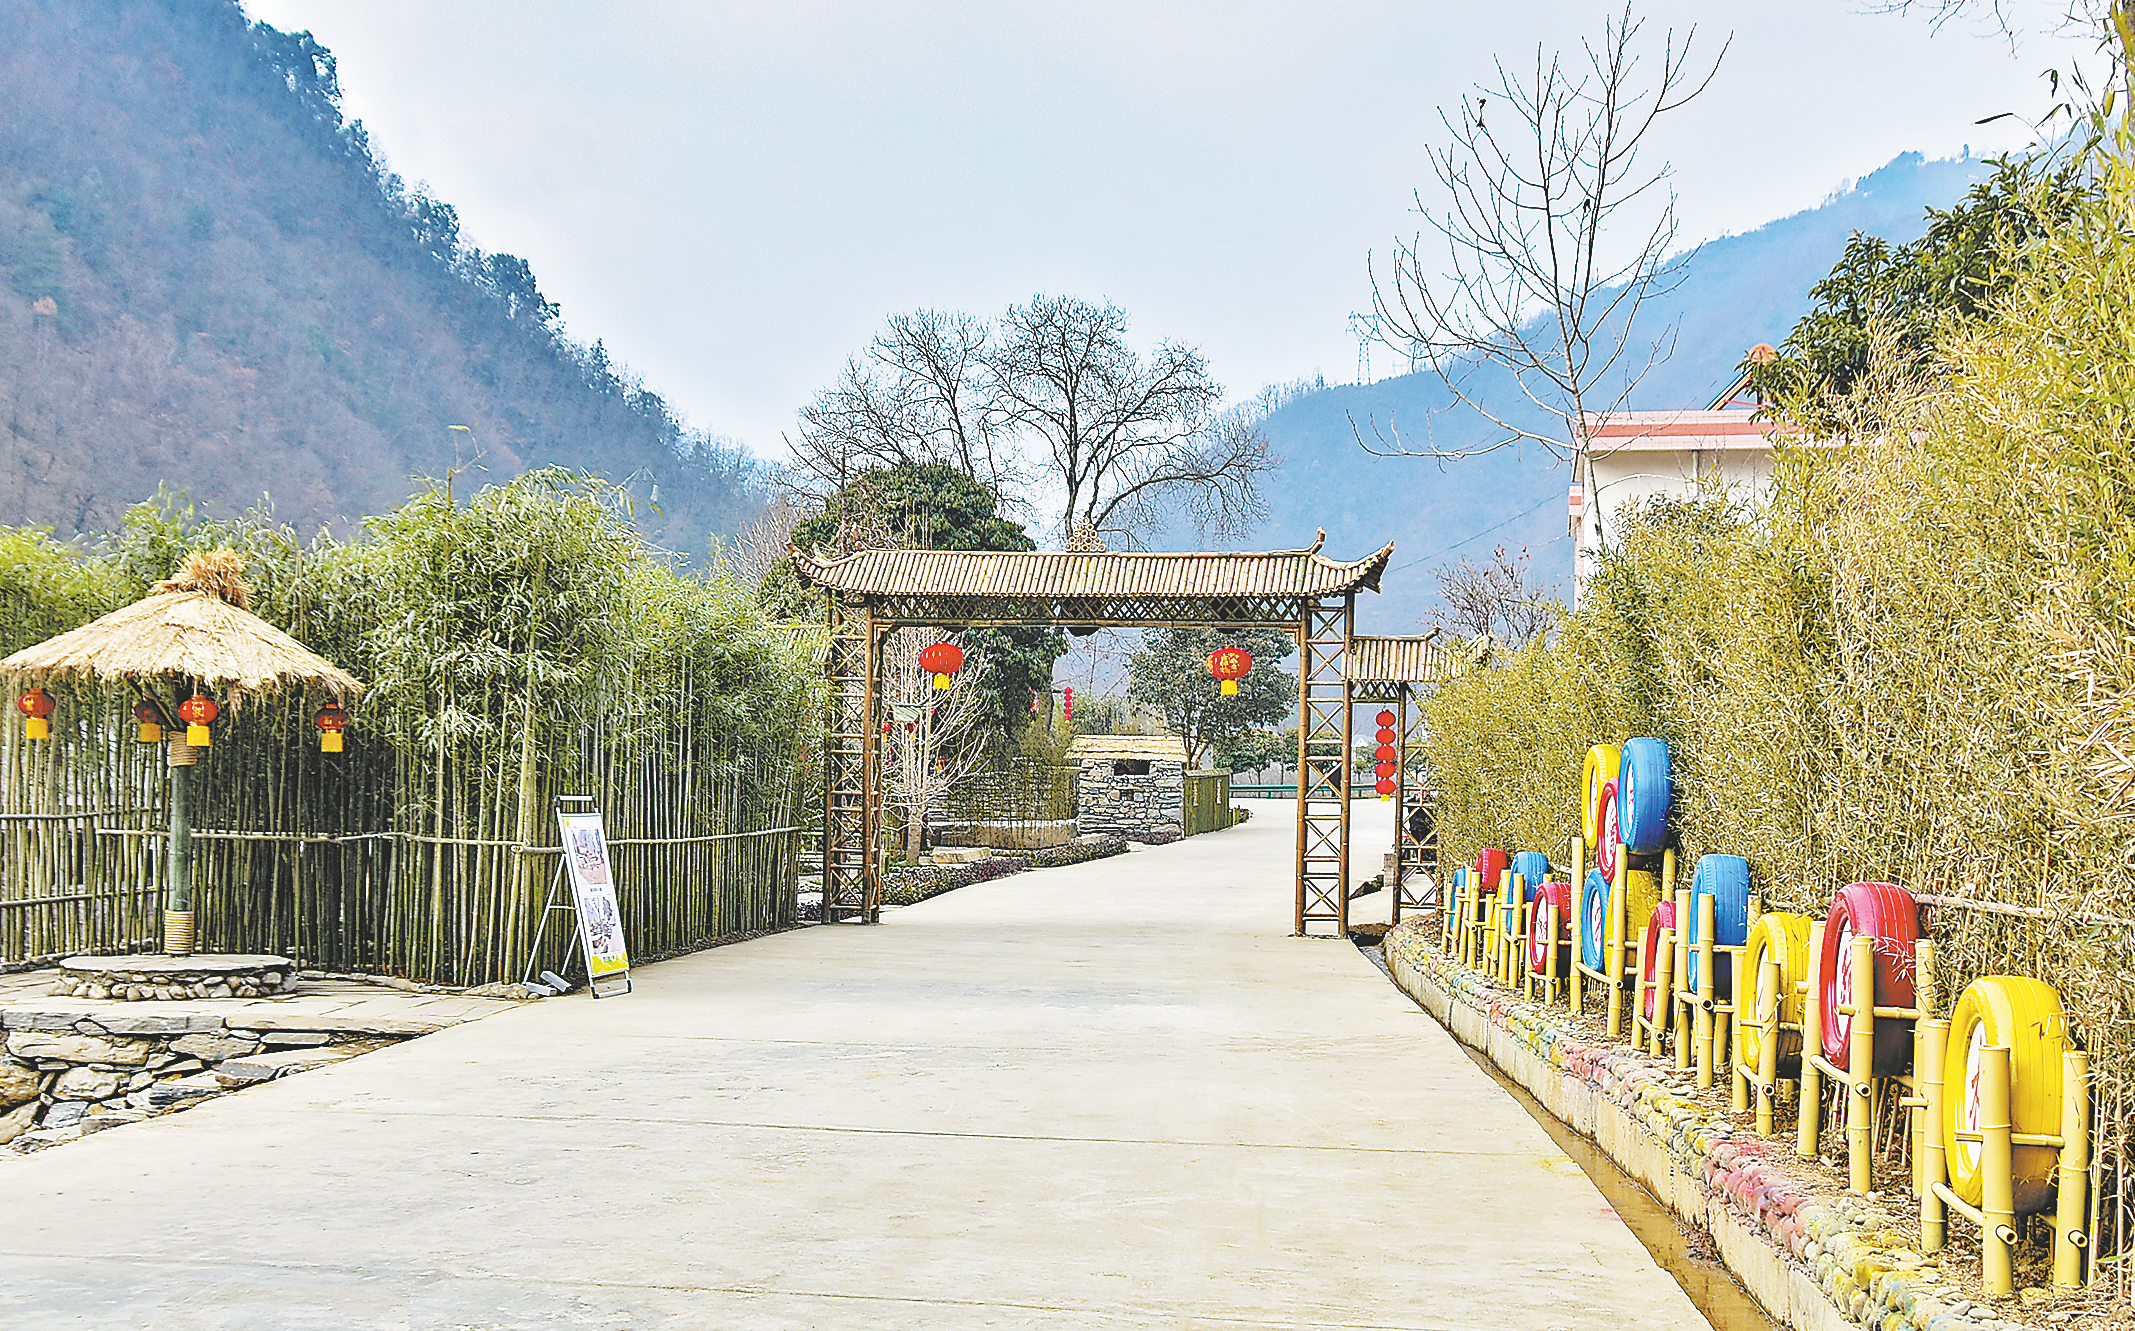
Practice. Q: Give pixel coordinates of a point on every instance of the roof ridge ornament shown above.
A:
(1085, 540)
(1318, 541)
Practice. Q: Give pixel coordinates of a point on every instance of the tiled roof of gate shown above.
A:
(1162, 748)
(1057, 573)
(1395, 660)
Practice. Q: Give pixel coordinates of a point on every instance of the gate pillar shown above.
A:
(1323, 762)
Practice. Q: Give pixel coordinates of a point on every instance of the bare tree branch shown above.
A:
(920, 396)
(1554, 236)
(1126, 436)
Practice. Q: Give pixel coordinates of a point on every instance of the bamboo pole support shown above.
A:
(1613, 945)
(1860, 1066)
(1552, 924)
(1930, 1043)
(1997, 1182)
(1640, 1036)
(1663, 986)
(1576, 995)
(1809, 1109)
(1707, 964)
(1768, 1050)
(2072, 1172)
(1926, 999)
(1679, 979)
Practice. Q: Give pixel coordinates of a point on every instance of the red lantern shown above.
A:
(1386, 787)
(1067, 705)
(1230, 664)
(1383, 770)
(331, 721)
(1385, 719)
(151, 719)
(1385, 753)
(1385, 735)
(37, 705)
(197, 712)
(942, 660)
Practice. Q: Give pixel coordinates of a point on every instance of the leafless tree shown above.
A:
(1556, 234)
(1495, 600)
(1126, 438)
(933, 733)
(919, 396)
(762, 544)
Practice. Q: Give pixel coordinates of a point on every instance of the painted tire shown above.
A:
(1537, 937)
(1532, 866)
(1642, 792)
(2025, 1015)
(1785, 939)
(1649, 957)
(1593, 918)
(1888, 914)
(1726, 879)
(1490, 867)
(1600, 766)
(1642, 892)
(1605, 853)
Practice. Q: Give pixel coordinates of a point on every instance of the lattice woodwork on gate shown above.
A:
(1323, 762)
(873, 592)
(1396, 672)
(852, 880)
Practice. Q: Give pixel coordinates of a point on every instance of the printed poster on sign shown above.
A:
(600, 923)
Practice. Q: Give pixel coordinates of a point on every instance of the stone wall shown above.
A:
(63, 1075)
(1135, 807)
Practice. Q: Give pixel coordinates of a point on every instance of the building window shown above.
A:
(1130, 767)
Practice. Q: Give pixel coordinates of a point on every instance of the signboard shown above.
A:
(600, 922)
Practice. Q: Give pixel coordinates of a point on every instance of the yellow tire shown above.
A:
(1642, 892)
(2025, 1015)
(1599, 769)
(1783, 938)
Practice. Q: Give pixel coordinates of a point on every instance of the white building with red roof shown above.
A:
(1639, 455)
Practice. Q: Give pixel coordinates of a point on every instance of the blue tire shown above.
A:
(1726, 879)
(1593, 918)
(1533, 868)
(1643, 788)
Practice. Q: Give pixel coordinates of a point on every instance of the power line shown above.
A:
(1420, 559)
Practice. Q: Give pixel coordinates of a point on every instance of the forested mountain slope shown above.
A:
(207, 278)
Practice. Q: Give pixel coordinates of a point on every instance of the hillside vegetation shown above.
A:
(208, 278)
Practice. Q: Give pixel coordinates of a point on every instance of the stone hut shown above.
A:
(1129, 785)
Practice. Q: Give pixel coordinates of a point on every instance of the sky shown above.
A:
(733, 196)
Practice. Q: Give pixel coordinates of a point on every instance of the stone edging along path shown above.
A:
(1817, 1258)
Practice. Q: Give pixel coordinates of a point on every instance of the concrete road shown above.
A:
(1116, 1095)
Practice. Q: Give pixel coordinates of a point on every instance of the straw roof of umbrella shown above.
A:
(196, 624)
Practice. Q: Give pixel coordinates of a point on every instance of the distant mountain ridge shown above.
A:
(207, 278)
(1739, 290)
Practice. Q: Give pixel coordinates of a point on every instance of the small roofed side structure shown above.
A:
(1160, 748)
(1129, 785)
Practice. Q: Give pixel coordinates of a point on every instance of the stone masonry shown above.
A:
(1130, 785)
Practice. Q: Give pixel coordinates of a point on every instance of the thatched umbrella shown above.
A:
(194, 629)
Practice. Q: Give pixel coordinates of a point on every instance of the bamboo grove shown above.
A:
(518, 645)
(1909, 663)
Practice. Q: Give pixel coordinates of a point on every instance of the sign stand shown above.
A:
(600, 927)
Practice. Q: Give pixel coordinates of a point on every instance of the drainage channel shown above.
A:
(1707, 1282)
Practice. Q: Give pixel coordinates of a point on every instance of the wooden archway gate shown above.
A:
(872, 592)
(1396, 671)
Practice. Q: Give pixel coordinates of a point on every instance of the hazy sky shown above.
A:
(734, 195)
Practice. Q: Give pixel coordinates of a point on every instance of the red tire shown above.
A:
(1548, 894)
(1490, 867)
(1649, 957)
(1605, 854)
(1888, 914)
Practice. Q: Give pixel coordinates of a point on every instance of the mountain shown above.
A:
(208, 278)
(1738, 291)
